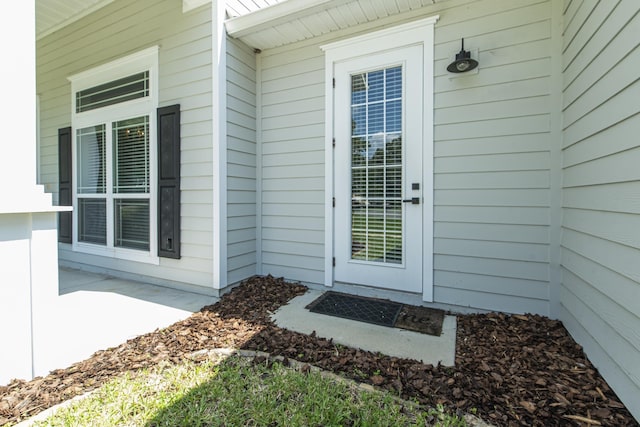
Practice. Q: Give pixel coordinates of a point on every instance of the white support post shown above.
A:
(28, 247)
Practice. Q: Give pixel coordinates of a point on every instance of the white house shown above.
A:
(201, 143)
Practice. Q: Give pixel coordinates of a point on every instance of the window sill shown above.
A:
(118, 253)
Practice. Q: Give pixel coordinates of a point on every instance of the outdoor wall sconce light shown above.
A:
(463, 62)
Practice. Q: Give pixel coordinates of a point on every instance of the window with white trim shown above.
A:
(113, 121)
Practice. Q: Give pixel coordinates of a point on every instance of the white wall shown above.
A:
(600, 302)
(185, 72)
(30, 285)
(493, 185)
(28, 256)
(15, 294)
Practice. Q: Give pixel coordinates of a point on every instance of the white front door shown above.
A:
(378, 166)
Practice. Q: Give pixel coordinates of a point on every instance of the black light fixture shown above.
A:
(463, 62)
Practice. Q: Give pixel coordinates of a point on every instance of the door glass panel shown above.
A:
(376, 166)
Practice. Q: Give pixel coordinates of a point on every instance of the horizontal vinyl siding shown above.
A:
(601, 179)
(492, 156)
(292, 121)
(241, 158)
(119, 29)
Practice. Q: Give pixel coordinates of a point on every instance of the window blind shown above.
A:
(91, 160)
(376, 166)
(132, 223)
(131, 156)
(92, 221)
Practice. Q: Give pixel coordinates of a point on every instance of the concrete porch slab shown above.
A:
(390, 341)
(94, 312)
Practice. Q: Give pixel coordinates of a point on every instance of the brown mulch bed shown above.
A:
(512, 370)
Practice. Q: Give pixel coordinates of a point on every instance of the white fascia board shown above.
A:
(277, 14)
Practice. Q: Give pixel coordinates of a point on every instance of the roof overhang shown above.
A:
(295, 20)
(275, 23)
(52, 15)
(281, 13)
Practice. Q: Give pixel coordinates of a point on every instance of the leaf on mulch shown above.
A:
(529, 406)
(377, 379)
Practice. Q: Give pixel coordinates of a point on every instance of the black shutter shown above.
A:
(169, 181)
(64, 184)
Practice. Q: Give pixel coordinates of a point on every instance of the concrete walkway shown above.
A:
(389, 341)
(94, 312)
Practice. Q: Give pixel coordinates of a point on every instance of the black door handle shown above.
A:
(413, 200)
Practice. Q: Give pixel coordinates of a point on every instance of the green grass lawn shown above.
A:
(237, 392)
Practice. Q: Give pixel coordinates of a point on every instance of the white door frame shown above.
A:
(414, 33)
(404, 274)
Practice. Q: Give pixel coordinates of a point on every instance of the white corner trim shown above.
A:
(189, 5)
(219, 144)
(259, 164)
(556, 170)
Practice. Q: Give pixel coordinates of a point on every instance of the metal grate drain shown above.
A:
(378, 312)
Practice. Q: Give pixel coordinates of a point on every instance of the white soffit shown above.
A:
(242, 7)
(51, 15)
(296, 20)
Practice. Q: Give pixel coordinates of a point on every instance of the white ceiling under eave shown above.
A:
(242, 7)
(261, 24)
(296, 20)
(51, 15)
